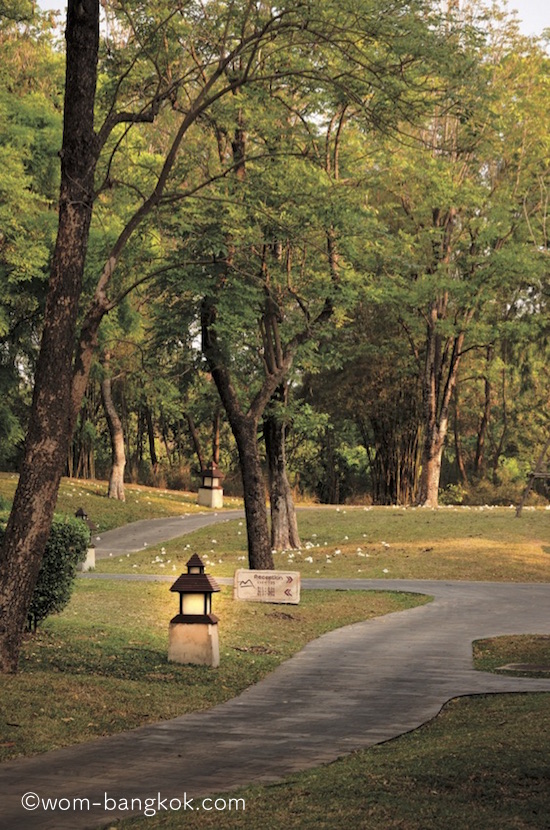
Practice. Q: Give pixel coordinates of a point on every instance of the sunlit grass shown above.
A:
(141, 502)
(465, 544)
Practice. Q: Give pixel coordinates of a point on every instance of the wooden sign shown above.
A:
(267, 586)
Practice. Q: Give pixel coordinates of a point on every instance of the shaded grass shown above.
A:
(141, 502)
(493, 653)
(101, 666)
(482, 763)
(479, 544)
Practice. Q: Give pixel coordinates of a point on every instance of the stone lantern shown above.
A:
(193, 633)
(211, 492)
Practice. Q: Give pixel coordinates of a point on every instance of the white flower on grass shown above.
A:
(384, 544)
(337, 551)
(329, 561)
(359, 553)
(308, 559)
(385, 571)
(214, 542)
(346, 538)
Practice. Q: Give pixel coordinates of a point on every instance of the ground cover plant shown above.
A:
(101, 666)
(483, 544)
(462, 770)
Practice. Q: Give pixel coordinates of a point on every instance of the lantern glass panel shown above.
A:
(193, 603)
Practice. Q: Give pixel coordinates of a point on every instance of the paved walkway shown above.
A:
(139, 535)
(349, 689)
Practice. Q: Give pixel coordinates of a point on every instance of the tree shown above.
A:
(458, 210)
(171, 68)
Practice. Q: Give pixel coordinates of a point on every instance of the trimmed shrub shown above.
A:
(66, 548)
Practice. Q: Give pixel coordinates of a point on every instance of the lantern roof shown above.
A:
(213, 471)
(195, 583)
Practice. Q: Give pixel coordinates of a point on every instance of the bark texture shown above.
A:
(440, 375)
(52, 415)
(116, 434)
(284, 527)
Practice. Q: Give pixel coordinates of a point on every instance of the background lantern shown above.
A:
(211, 492)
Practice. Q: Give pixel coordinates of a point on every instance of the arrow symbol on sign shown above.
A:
(289, 579)
(288, 592)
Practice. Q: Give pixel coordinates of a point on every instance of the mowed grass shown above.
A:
(141, 502)
(101, 666)
(482, 764)
(531, 650)
(482, 544)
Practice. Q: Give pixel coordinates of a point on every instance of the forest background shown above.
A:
(438, 228)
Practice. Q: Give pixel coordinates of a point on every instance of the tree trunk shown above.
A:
(479, 463)
(51, 417)
(216, 436)
(118, 456)
(284, 527)
(196, 441)
(151, 438)
(245, 431)
(458, 447)
(431, 470)
(440, 376)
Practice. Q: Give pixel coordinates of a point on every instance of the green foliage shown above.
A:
(66, 548)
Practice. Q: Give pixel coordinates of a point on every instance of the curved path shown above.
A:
(349, 689)
(139, 535)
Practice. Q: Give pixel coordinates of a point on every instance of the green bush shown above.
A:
(66, 548)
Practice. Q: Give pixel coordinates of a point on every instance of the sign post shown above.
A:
(267, 586)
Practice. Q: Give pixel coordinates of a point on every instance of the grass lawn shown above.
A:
(482, 764)
(101, 666)
(527, 649)
(484, 544)
(141, 502)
